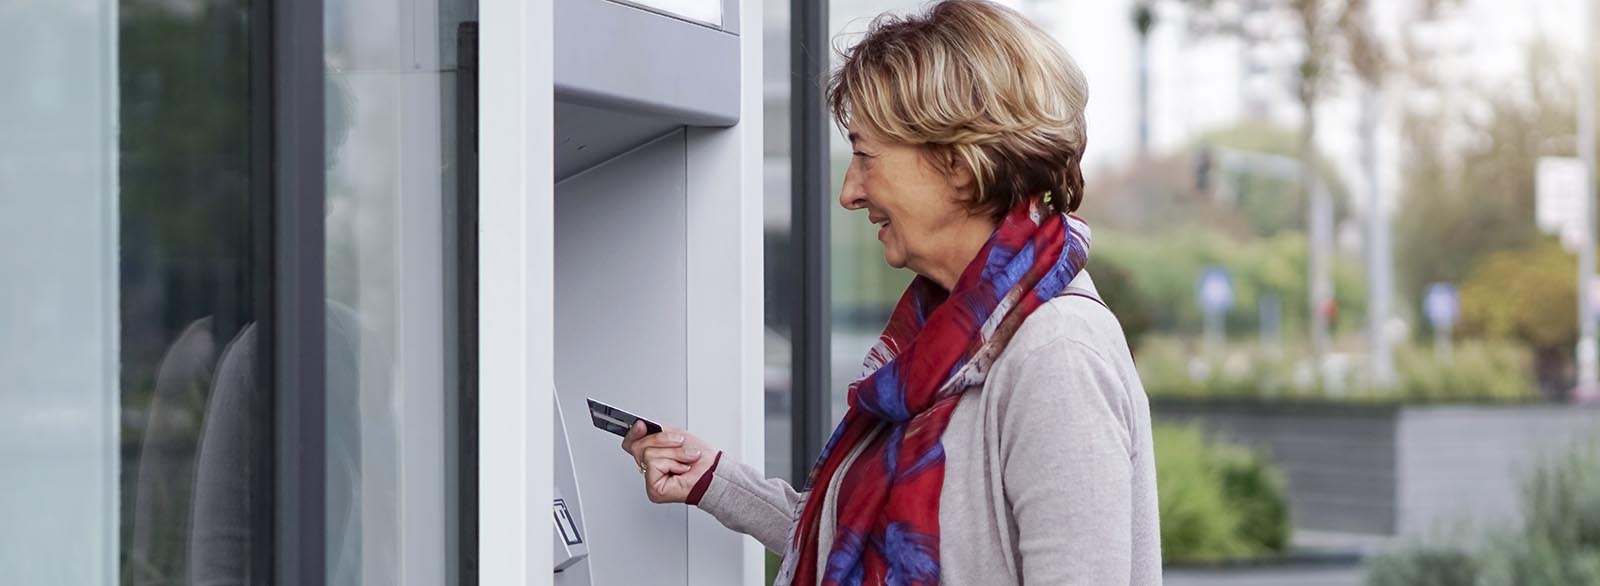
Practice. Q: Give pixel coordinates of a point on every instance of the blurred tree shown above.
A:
(1131, 305)
(1165, 267)
(1468, 180)
(1528, 295)
(1328, 34)
(1267, 204)
(1161, 192)
(1156, 196)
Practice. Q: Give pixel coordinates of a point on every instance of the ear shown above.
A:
(959, 175)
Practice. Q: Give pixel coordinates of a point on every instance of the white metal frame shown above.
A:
(515, 268)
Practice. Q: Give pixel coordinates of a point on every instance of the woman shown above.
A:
(1000, 435)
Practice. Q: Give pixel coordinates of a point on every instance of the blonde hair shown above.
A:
(976, 84)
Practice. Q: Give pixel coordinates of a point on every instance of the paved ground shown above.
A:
(1327, 559)
(1311, 576)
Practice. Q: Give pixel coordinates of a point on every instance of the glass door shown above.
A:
(224, 358)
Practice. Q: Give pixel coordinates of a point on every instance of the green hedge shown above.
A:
(1219, 502)
(1477, 371)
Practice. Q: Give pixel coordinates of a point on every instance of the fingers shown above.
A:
(676, 454)
(665, 481)
(665, 439)
(666, 466)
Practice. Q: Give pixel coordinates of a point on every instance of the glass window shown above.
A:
(391, 322)
(130, 421)
(779, 282)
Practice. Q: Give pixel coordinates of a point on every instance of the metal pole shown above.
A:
(1320, 294)
(1143, 21)
(1270, 312)
(1214, 335)
(1379, 273)
(1588, 367)
(809, 204)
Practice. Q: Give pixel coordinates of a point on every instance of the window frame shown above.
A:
(291, 158)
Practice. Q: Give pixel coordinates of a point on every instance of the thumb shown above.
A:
(634, 433)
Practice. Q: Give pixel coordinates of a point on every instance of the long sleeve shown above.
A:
(1067, 450)
(743, 500)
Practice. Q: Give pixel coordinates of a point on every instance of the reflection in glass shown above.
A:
(391, 70)
(779, 280)
(194, 426)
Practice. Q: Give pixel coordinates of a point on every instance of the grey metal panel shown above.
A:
(621, 323)
(618, 57)
(587, 136)
(730, 16)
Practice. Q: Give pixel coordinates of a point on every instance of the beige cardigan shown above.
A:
(1049, 475)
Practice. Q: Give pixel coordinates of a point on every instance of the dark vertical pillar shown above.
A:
(294, 325)
(810, 204)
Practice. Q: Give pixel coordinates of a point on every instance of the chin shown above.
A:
(893, 261)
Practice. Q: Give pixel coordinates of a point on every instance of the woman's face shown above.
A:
(917, 205)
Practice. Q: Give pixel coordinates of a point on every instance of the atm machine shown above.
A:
(657, 289)
(571, 548)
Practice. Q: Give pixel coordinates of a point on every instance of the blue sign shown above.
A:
(1442, 305)
(1214, 290)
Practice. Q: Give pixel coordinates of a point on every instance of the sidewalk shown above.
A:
(1318, 559)
(1311, 576)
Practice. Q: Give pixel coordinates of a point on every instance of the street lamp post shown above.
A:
(1588, 361)
(1143, 20)
(1319, 211)
(1379, 266)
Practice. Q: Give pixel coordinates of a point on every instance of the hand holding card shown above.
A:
(672, 461)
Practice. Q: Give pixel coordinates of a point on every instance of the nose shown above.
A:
(852, 196)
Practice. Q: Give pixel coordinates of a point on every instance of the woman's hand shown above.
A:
(673, 461)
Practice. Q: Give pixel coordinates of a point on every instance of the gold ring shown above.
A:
(641, 467)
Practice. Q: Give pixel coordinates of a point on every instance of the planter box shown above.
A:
(1394, 470)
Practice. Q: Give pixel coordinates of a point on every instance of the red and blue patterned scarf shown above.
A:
(937, 345)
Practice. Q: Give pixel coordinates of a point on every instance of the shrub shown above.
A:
(1423, 566)
(1561, 499)
(1218, 502)
(1255, 489)
(1558, 545)
(1478, 371)
(1129, 303)
(1521, 560)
